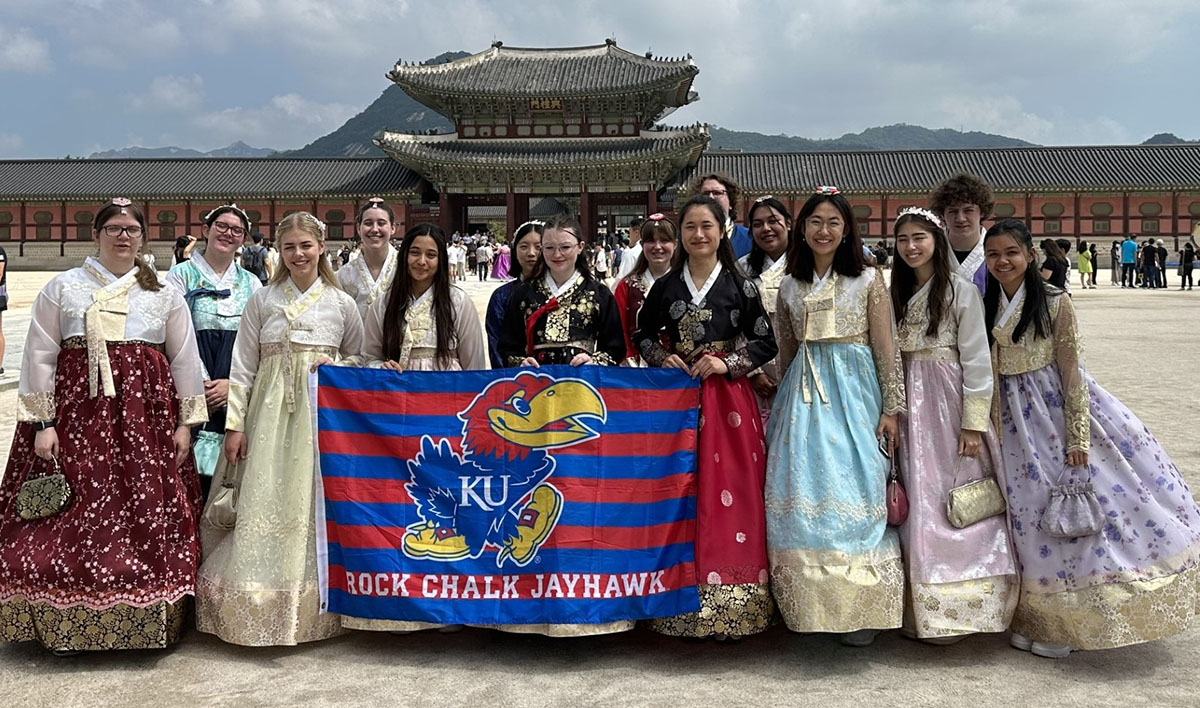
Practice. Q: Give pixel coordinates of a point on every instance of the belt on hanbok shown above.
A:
(587, 345)
(80, 342)
(807, 362)
(931, 354)
(287, 348)
(531, 323)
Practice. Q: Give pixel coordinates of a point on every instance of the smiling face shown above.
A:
(713, 188)
(823, 230)
(700, 231)
(529, 250)
(422, 261)
(659, 249)
(770, 230)
(301, 253)
(226, 234)
(962, 222)
(915, 245)
(560, 248)
(1007, 260)
(376, 229)
(122, 245)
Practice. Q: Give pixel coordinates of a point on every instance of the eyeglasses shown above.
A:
(223, 228)
(714, 193)
(115, 231)
(552, 250)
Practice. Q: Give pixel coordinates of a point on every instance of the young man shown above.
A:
(255, 258)
(1129, 254)
(963, 202)
(722, 189)
(1163, 255)
(632, 251)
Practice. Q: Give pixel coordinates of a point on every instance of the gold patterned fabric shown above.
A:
(81, 628)
(966, 607)
(1064, 348)
(193, 410)
(728, 610)
(831, 591)
(35, 407)
(1113, 615)
(564, 630)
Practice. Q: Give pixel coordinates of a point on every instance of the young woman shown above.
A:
(366, 278)
(770, 226)
(1083, 263)
(1187, 261)
(110, 385)
(216, 289)
(961, 581)
(835, 565)
(1114, 263)
(655, 259)
(258, 583)
(502, 263)
(717, 331)
(1106, 531)
(562, 314)
(1054, 266)
(425, 324)
(1094, 256)
(527, 249)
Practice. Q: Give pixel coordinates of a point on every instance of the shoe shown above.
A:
(451, 629)
(944, 641)
(64, 653)
(1020, 641)
(537, 519)
(861, 638)
(1050, 651)
(425, 540)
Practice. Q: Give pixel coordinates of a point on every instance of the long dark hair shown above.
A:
(904, 278)
(514, 263)
(650, 230)
(1052, 250)
(1036, 308)
(145, 276)
(400, 298)
(724, 249)
(847, 260)
(757, 256)
(564, 222)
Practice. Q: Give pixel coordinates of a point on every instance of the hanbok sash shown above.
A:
(550, 306)
(104, 321)
(769, 281)
(418, 320)
(820, 322)
(297, 306)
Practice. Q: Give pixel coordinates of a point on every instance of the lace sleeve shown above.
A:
(1068, 353)
(881, 331)
(785, 334)
(244, 366)
(186, 367)
(975, 358)
(39, 363)
(350, 349)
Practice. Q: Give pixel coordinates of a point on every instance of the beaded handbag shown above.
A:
(43, 496)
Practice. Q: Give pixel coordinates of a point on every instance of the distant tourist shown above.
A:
(183, 248)
(1150, 265)
(629, 259)
(963, 202)
(254, 258)
(1162, 255)
(1095, 262)
(1129, 253)
(1054, 267)
(1114, 263)
(1187, 260)
(1084, 263)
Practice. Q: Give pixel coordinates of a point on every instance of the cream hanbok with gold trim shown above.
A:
(258, 583)
(835, 564)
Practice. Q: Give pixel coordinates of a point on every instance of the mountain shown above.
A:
(1167, 139)
(890, 137)
(238, 149)
(393, 110)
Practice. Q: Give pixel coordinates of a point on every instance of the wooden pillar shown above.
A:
(401, 211)
(1078, 230)
(511, 217)
(62, 242)
(21, 248)
(187, 217)
(1174, 221)
(1125, 213)
(1029, 211)
(274, 222)
(445, 218)
(651, 201)
(585, 216)
(883, 215)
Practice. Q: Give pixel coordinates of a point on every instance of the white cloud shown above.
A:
(996, 114)
(10, 144)
(21, 51)
(171, 93)
(286, 121)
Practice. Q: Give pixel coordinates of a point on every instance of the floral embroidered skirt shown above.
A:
(961, 581)
(113, 569)
(1135, 581)
(835, 564)
(731, 553)
(258, 583)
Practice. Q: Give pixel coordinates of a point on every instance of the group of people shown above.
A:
(1144, 264)
(1036, 501)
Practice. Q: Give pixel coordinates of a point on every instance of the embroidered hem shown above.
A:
(81, 628)
(731, 610)
(866, 592)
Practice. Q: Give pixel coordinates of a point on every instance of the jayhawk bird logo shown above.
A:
(494, 493)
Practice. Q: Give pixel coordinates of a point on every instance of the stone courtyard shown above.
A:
(1143, 346)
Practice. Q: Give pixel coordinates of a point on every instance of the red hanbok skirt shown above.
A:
(112, 569)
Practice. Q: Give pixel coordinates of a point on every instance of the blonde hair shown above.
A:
(311, 225)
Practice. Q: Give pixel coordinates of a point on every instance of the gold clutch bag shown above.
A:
(973, 502)
(221, 511)
(40, 497)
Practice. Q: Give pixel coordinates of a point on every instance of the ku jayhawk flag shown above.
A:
(555, 495)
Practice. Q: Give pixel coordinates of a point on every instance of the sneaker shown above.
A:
(861, 638)
(1050, 651)
(1020, 641)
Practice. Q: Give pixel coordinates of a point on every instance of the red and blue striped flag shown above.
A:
(556, 495)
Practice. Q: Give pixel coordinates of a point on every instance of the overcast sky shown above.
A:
(85, 75)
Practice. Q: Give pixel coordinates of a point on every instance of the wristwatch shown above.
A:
(42, 425)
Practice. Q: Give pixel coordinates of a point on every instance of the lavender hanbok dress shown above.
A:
(1135, 581)
(961, 581)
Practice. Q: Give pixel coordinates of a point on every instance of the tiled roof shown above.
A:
(1132, 167)
(449, 149)
(204, 178)
(537, 73)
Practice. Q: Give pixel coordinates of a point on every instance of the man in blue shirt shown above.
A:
(722, 189)
(1128, 260)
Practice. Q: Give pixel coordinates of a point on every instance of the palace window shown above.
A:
(556, 130)
(1194, 208)
(1052, 209)
(1004, 211)
(83, 225)
(1052, 226)
(628, 129)
(468, 131)
(540, 130)
(42, 220)
(335, 219)
(1149, 226)
(861, 212)
(573, 129)
(502, 131)
(166, 224)
(1150, 209)
(255, 217)
(1101, 226)
(523, 131)
(6, 219)
(864, 228)
(1101, 209)
(596, 129)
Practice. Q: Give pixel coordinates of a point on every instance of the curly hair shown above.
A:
(962, 188)
(733, 189)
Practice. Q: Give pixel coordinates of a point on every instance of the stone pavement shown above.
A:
(1143, 346)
